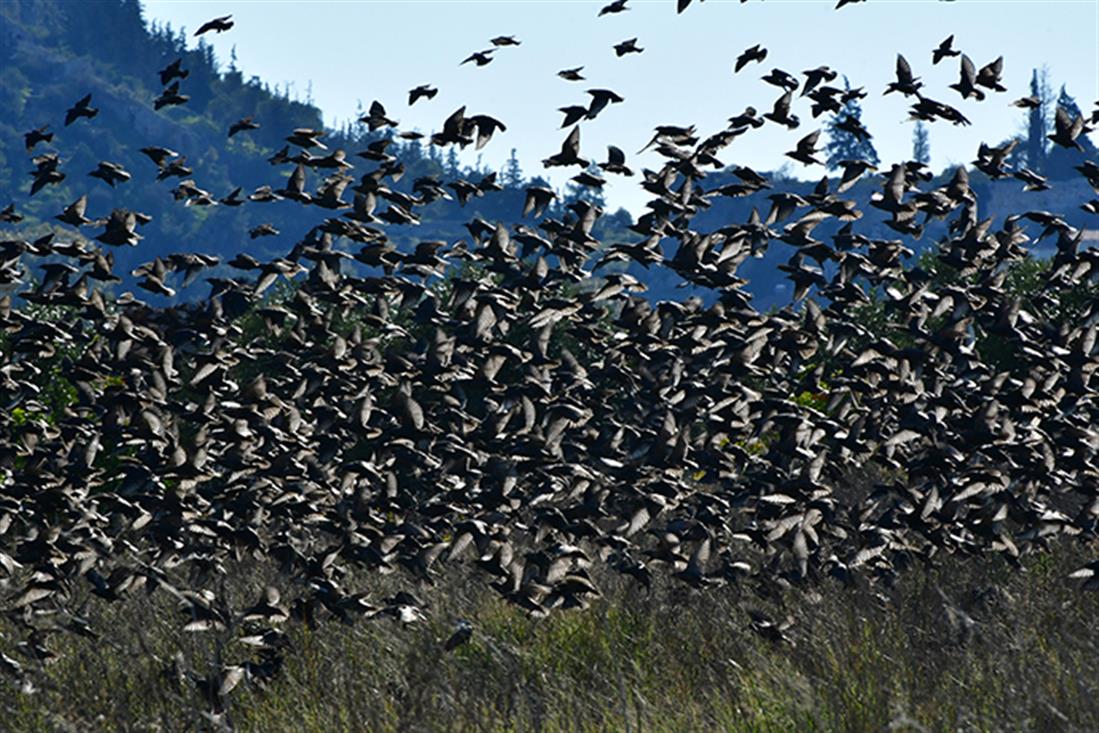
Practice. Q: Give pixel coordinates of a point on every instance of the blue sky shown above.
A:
(354, 51)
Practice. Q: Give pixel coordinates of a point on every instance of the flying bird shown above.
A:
(627, 47)
(944, 50)
(618, 6)
(481, 58)
(82, 108)
(220, 25)
(756, 53)
(242, 125)
(424, 91)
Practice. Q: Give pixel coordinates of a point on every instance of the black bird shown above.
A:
(173, 70)
(242, 125)
(9, 215)
(569, 154)
(906, 83)
(501, 41)
(571, 74)
(82, 108)
(37, 135)
(375, 118)
(806, 149)
(170, 97)
(945, 50)
(616, 162)
(46, 171)
(756, 53)
(600, 98)
(573, 114)
(220, 25)
(424, 91)
(110, 173)
(627, 47)
(990, 74)
(462, 634)
(1066, 129)
(967, 83)
(481, 58)
(618, 6)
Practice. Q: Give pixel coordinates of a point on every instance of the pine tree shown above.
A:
(843, 145)
(1038, 120)
(921, 144)
(513, 173)
(451, 167)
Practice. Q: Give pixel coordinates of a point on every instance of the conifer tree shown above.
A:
(513, 173)
(1038, 120)
(921, 144)
(844, 145)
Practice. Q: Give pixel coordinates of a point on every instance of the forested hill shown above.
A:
(53, 53)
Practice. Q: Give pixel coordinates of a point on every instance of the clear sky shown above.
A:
(356, 51)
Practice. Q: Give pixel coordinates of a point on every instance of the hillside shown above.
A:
(53, 53)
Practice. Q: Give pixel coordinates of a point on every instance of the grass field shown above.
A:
(972, 645)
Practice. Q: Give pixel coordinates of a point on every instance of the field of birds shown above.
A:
(489, 484)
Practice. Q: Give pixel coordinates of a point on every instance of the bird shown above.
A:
(220, 25)
(1067, 130)
(618, 6)
(906, 82)
(463, 632)
(755, 53)
(110, 173)
(944, 50)
(307, 138)
(480, 58)
(600, 98)
(571, 74)
(424, 91)
(174, 70)
(990, 74)
(376, 118)
(627, 47)
(569, 154)
(244, 124)
(38, 135)
(616, 162)
(806, 148)
(171, 96)
(967, 83)
(500, 41)
(82, 108)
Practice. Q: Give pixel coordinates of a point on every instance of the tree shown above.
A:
(451, 167)
(1038, 120)
(513, 173)
(845, 145)
(921, 145)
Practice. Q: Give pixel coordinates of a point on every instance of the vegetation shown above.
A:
(960, 645)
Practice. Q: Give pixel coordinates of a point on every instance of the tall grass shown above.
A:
(970, 645)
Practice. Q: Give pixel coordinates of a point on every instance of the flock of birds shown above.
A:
(531, 417)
